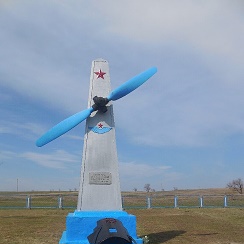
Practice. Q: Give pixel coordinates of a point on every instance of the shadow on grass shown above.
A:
(164, 236)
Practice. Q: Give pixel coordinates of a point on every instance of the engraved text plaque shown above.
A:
(100, 178)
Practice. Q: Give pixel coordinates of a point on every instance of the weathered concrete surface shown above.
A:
(99, 184)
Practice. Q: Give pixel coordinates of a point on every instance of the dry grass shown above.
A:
(196, 226)
(171, 226)
(31, 226)
(209, 191)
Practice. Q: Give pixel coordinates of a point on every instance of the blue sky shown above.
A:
(184, 128)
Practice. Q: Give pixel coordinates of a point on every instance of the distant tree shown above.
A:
(153, 190)
(236, 185)
(147, 187)
(135, 189)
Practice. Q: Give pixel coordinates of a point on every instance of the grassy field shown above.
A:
(139, 199)
(171, 226)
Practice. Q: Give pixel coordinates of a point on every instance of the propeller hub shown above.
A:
(100, 104)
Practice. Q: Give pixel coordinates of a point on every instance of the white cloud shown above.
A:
(138, 170)
(26, 130)
(6, 155)
(195, 99)
(136, 175)
(210, 26)
(78, 138)
(58, 159)
(40, 60)
(189, 112)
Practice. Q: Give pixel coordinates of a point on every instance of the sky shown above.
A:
(184, 128)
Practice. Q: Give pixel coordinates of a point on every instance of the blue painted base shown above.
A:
(81, 224)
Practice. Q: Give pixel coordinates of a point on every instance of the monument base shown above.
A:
(80, 224)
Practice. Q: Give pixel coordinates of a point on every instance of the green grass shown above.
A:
(170, 226)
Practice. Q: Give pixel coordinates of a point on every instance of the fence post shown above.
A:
(201, 201)
(176, 201)
(148, 202)
(225, 201)
(60, 201)
(122, 201)
(28, 202)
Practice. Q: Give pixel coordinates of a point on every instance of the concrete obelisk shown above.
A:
(99, 183)
(99, 193)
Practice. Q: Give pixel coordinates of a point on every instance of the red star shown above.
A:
(100, 74)
(100, 126)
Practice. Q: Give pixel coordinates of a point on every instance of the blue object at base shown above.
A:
(80, 224)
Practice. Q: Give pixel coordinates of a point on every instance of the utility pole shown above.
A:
(17, 185)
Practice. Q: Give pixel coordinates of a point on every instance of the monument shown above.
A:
(99, 217)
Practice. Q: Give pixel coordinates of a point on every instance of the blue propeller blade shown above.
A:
(63, 127)
(131, 84)
(77, 118)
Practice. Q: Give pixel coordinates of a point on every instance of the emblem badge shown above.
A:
(100, 128)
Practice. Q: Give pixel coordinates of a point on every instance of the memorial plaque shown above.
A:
(100, 178)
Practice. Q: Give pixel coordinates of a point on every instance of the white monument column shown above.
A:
(99, 183)
(99, 194)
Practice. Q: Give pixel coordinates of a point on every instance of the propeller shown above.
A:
(99, 104)
(131, 84)
(63, 127)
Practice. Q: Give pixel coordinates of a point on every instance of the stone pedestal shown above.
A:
(80, 224)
